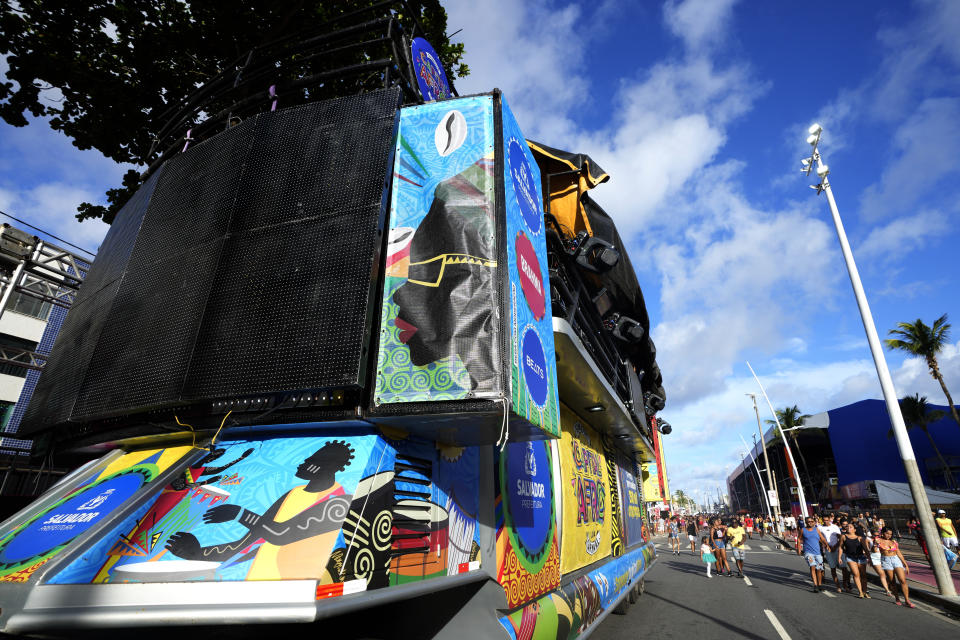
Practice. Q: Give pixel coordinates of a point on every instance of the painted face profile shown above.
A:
(447, 306)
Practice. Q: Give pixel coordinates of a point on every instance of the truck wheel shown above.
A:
(641, 587)
(633, 595)
(621, 609)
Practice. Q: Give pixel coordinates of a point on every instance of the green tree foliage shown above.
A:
(918, 414)
(916, 338)
(120, 63)
(791, 418)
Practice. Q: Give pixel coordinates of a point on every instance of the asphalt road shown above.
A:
(680, 602)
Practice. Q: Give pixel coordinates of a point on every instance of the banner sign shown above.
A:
(431, 77)
(533, 362)
(28, 547)
(440, 317)
(586, 495)
(528, 555)
(631, 509)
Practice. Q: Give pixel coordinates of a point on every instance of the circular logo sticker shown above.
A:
(430, 75)
(68, 520)
(524, 188)
(529, 501)
(534, 367)
(531, 278)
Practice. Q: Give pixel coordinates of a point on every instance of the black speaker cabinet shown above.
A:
(246, 265)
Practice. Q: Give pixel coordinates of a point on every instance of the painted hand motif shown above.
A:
(223, 513)
(184, 545)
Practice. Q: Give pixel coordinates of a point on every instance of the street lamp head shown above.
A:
(814, 129)
(812, 139)
(806, 162)
(823, 170)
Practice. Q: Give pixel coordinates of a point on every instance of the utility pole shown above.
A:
(938, 561)
(766, 461)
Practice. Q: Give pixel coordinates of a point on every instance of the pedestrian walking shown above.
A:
(706, 554)
(748, 525)
(718, 538)
(875, 559)
(895, 566)
(948, 534)
(831, 554)
(735, 536)
(673, 535)
(692, 535)
(809, 544)
(759, 526)
(913, 526)
(854, 549)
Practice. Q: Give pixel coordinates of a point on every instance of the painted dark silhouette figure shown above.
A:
(447, 305)
(294, 537)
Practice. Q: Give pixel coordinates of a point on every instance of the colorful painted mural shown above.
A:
(528, 554)
(533, 363)
(586, 495)
(359, 510)
(37, 540)
(571, 610)
(436, 343)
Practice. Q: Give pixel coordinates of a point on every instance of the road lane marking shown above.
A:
(776, 625)
(747, 581)
(827, 593)
(765, 547)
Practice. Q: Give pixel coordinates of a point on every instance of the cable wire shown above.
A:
(24, 222)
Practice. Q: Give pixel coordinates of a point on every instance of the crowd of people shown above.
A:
(850, 545)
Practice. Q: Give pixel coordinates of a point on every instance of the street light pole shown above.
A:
(766, 460)
(937, 560)
(786, 444)
(766, 498)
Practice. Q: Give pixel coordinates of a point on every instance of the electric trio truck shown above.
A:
(344, 357)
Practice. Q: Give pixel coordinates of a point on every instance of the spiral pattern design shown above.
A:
(383, 530)
(363, 564)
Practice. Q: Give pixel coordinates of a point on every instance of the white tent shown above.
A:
(899, 493)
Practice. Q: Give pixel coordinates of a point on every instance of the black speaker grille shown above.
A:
(142, 357)
(253, 270)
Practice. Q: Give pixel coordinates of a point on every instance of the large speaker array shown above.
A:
(246, 265)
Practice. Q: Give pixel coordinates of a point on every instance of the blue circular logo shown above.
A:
(63, 523)
(524, 188)
(531, 494)
(534, 367)
(429, 71)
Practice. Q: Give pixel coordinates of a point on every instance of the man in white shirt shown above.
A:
(831, 534)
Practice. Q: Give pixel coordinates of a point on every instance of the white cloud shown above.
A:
(926, 147)
(700, 23)
(903, 235)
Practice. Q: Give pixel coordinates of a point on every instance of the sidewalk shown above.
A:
(923, 585)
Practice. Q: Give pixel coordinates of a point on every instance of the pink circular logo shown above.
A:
(531, 280)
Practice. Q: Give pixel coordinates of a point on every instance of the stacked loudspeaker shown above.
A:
(245, 265)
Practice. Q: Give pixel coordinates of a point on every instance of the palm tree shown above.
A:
(916, 413)
(920, 340)
(790, 418)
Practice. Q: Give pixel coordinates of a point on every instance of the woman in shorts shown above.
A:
(894, 565)
(854, 551)
(872, 537)
(718, 538)
(673, 535)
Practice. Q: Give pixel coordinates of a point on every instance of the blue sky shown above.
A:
(699, 110)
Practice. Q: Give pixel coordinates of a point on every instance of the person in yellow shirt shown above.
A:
(948, 533)
(736, 535)
(294, 537)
